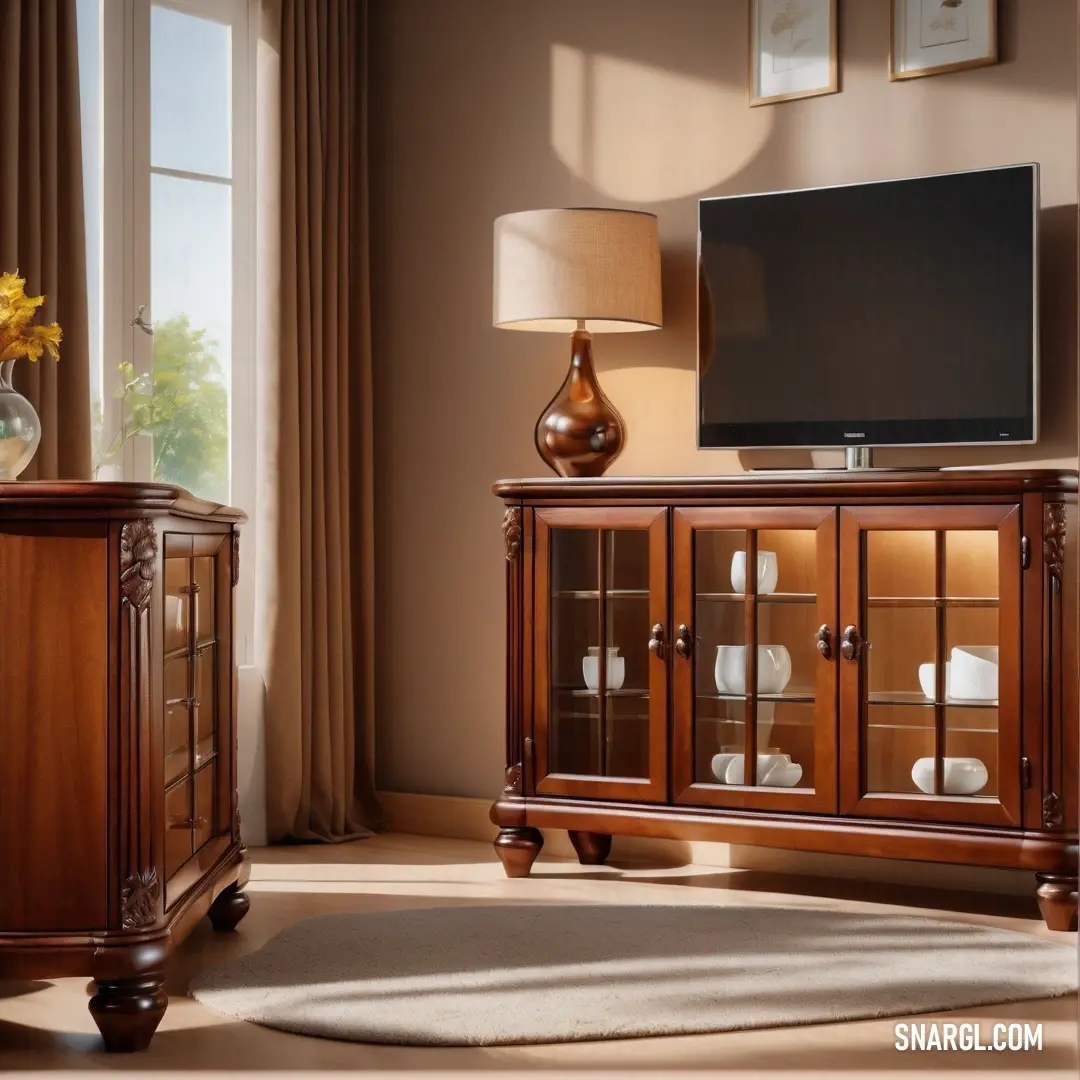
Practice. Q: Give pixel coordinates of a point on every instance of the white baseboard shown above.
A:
(467, 819)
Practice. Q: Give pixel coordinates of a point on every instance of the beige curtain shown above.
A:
(42, 232)
(314, 515)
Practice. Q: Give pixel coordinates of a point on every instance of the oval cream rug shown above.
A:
(487, 976)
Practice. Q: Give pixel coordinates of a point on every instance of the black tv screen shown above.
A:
(895, 313)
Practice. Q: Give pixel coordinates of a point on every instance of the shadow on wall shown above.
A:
(645, 134)
(645, 115)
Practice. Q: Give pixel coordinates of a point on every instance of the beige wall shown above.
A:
(482, 107)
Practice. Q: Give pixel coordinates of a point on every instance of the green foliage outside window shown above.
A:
(183, 405)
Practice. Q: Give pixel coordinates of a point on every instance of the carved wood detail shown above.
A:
(138, 551)
(513, 779)
(1051, 811)
(235, 559)
(511, 527)
(139, 899)
(138, 565)
(1054, 540)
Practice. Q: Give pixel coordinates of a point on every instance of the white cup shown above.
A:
(774, 669)
(767, 571)
(616, 668)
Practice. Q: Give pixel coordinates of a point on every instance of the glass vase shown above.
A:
(20, 428)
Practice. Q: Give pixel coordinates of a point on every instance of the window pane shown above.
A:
(88, 23)
(189, 93)
(191, 290)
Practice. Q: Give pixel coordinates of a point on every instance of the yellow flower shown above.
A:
(17, 311)
(49, 337)
(11, 285)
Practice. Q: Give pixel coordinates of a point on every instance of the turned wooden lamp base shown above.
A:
(580, 433)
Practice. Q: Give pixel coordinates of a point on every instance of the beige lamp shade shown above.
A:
(591, 269)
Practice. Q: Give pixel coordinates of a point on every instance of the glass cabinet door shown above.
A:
(930, 667)
(754, 672)
(197, 691)
(600, 708)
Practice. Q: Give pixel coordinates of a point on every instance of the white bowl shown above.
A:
(788, 776)
(774, 669)
(769, 768)
(963, 775)
(616, 670)
(720, 763)
(975, 672)
(927, 675)
(767, 571)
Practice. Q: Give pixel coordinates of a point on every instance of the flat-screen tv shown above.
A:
(894, 313)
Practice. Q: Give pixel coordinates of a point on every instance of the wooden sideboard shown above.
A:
(898, 679)
(119, 826)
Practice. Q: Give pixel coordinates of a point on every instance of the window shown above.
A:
(170, 198)
(169, 202)
(191, 249)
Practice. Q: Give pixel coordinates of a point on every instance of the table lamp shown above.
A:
(579, 272)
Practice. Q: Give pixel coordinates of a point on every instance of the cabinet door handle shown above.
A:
(186, 823)
(684, 646)
(824, 641)
(656, 642)
(849, 643)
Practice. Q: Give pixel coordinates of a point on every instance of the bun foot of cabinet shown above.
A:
(127, 1013)
(1057, 900)
(228, 909)
(592, 848)
(130, 997)
(517, 849)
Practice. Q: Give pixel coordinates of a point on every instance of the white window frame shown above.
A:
(125, 269)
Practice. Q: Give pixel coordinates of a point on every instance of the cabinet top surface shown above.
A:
(809, 483)
(105, 496)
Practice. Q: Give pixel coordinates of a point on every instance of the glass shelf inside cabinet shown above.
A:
(579, 691)
(931, 694)
(598, 712)
(775, 614)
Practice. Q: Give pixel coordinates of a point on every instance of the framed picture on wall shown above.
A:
(931, 37)
(792, 50)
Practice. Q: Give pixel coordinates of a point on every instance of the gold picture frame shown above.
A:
(810, 75)
(980, 24)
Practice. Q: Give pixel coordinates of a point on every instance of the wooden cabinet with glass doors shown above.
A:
(878, 664)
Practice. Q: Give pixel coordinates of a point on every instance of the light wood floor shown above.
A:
(46, 1027)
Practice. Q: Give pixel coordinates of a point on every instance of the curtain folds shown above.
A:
(314, 560)
(42, 228)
